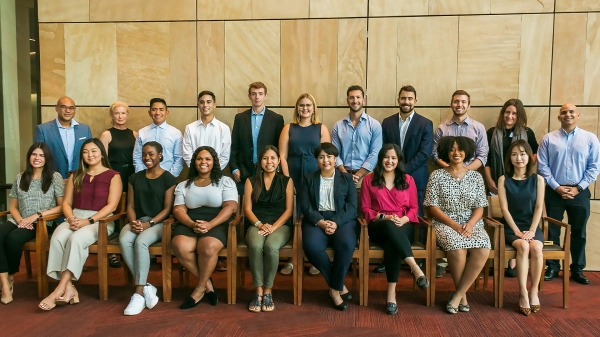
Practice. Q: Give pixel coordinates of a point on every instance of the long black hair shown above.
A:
(258, 178)
(215, 174)
(47, 171)
(399, 174)
(83, 167)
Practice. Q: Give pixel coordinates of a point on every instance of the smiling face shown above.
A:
(510, 116)
(305, 108)
(390, 160)
(568, 116)
(206, 105)
(457, 156)
(150, 156)
(65, 109)
(204, 162)
(37, 158)
(355, 100)
(158, 112)
(519, 157)
(460, 105)
(91, 154)
(119, 115)
(269, 161)
(326, 161)
(407, 101)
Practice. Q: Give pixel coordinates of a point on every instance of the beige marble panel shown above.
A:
(180, 117)
(588, 118)
(122, 10)
(182, 63)
(224, 10)
(568, 59)
(352, 56)
(591, 85)
(432, 114)
(280, 9)
(332, 115)
(488, 57)
(381, 61)
(535, 63)
(485, 116)
(91, 63)
(592, 249)
(337, 8)
(537, 120)
(226, 115)
(63, 10)
(309, 64)
(143, 62)
(396, 8)
(252, 53)
(441, 7)
(380, 113)
(48, 114)
(52, 62)
(96, 118)
(211, 58)
(577, 5)
(139, 118)
(287, 113)
(432, 71)
(521, 6)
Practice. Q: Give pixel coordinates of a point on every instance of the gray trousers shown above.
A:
(69, 249)
(263, 252)
(134, 249)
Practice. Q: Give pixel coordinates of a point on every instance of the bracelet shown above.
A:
(256, 223)
(72, 216)
(40, 215)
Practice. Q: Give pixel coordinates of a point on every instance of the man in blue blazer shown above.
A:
(64, 135)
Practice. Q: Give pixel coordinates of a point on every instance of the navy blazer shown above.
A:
(242, 147)
(48, 133)
(418, 145)
(344, 193)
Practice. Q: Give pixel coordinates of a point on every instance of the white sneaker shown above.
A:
(287, 269)
(150, 295)
(313, 270)
(136, 305)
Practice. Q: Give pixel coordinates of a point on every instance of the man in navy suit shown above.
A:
(64, 136)
(414, 134)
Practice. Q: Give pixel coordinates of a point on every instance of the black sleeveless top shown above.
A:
(271, 202)
(120, 153)
(521, 196)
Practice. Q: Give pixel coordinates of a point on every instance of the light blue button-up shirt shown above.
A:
(358, 146)
(171, 140)
(569, 158)
(256, 120)
(67, 135)
(468, 128)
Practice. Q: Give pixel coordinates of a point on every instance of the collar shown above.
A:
(260, 113)
(162, 126)
(213, 121)
(363, 116)
(568, 133)
(452, 121)
(73, 123)
(407, 118)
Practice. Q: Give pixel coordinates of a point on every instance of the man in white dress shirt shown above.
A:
(207, 131)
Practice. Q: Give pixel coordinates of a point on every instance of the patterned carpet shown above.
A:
(314, 317)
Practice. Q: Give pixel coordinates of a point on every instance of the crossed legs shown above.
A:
(464, 271)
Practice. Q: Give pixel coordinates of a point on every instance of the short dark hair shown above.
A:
(353, 88)
(157, 100)
(327, 147)
(408, 88)
(465, 144)
(508, 165)
(155, 145)
(460, 92)
(206, 92)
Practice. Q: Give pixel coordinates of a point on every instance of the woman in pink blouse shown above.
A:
(389, 203)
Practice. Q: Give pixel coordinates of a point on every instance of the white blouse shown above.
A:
(326, 197)
(207, 196)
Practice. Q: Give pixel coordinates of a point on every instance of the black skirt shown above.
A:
(204, 213)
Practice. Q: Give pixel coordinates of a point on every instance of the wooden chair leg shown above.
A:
(354, 269)
(103, 275)
(167, 266)
(28, 264)
(565, 286)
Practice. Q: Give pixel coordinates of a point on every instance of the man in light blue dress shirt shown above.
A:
(569, 161)
(357, 137)
(168, 136)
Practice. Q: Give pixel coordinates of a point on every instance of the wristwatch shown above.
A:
(91, 220)
(381, 216)
(579, 188)
(151, 222)
(40, 215)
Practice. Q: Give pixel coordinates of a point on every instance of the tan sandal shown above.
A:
(74, 299)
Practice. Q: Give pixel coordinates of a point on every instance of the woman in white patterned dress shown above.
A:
(455, 197)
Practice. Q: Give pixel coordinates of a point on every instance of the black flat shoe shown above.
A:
(510, 272)
(379, 269)
(422, 282)
(346, 297)
(189, 303)
(550, 274)
(213, 297)
(580, 278)
(391, 308)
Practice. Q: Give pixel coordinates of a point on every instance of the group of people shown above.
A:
(363, 167)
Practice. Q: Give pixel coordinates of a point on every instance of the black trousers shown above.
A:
(395, 242)
(12, 239)
(578, 211)
(343, 241)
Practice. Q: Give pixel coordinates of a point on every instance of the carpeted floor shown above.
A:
(315, 316)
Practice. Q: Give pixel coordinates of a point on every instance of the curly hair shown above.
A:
(215, 173)
(399, 174)
(445, 145)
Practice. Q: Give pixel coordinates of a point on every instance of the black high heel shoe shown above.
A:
(190, 302)
(342, 306)
(213, 297)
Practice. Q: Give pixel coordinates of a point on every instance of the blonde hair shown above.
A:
(115, 105)
(313, 119)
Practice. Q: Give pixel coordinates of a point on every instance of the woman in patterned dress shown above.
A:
(455, 197)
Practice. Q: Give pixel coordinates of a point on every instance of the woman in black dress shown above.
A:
(521, 195)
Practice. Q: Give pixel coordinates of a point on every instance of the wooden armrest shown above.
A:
(3, 213)
(112, 217)
(236, 221)
(425, 221)
(51, 217)
(556, 222)
(493, 222)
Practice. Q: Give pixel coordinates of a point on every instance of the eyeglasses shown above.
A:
(70, 108)
(304, 106)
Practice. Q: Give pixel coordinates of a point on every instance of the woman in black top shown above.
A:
(268, 207)
(150, 200)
